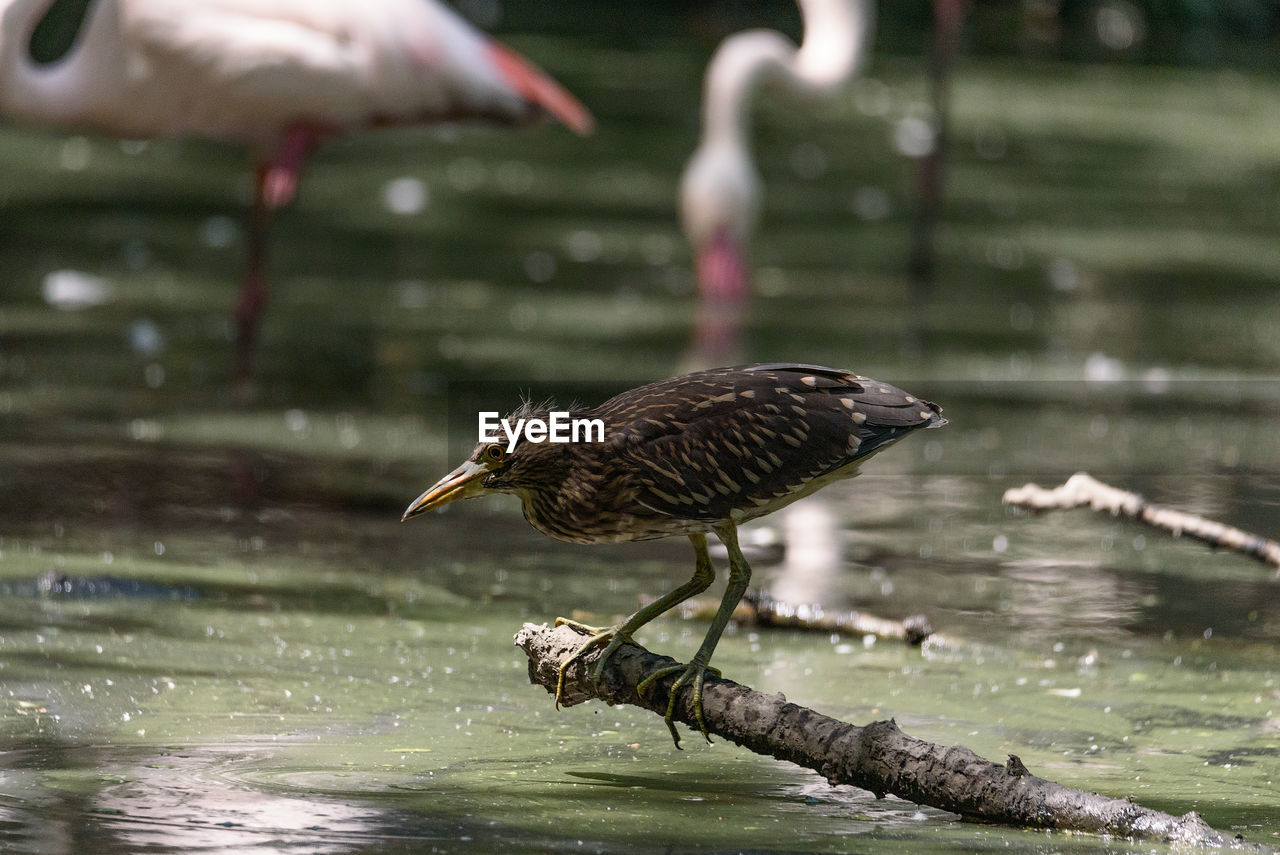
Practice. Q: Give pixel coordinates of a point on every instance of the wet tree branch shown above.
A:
(878, 757)
(1083, 489)
(757, 608)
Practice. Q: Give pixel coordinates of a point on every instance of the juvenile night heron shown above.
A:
(698, 453)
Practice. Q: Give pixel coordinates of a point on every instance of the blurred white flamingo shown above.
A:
(720, 191)
(276, 76)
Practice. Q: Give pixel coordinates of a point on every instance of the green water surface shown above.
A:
(215, 636)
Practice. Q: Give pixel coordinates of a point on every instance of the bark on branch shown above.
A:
(1083, 489)
(878, 757)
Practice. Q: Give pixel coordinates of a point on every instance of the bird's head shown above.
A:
(494, 467)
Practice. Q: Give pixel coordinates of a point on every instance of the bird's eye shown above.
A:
(494, 454)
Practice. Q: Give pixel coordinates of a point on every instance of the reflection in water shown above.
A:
(186, 801)
(813, 555)
(75, 289)
(1056, 598)
(717, 336)
(182, 800)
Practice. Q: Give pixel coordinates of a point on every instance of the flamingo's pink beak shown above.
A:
(538, 88)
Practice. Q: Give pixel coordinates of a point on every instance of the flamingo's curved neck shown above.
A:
(735, 71)
(73, 79)
(835, 36)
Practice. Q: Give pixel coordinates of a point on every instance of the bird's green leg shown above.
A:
(616, 636)
(694, 673)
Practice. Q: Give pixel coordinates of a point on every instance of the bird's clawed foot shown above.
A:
(610, 636)
(692, 674)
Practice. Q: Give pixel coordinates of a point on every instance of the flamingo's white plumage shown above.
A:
(277, 76)
(720, 192)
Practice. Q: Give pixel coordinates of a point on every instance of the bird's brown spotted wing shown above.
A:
(736, 443)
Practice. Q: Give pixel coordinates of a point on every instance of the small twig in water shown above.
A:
(759, 609)
(1083, 489)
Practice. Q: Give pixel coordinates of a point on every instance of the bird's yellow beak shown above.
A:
(462, 483)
